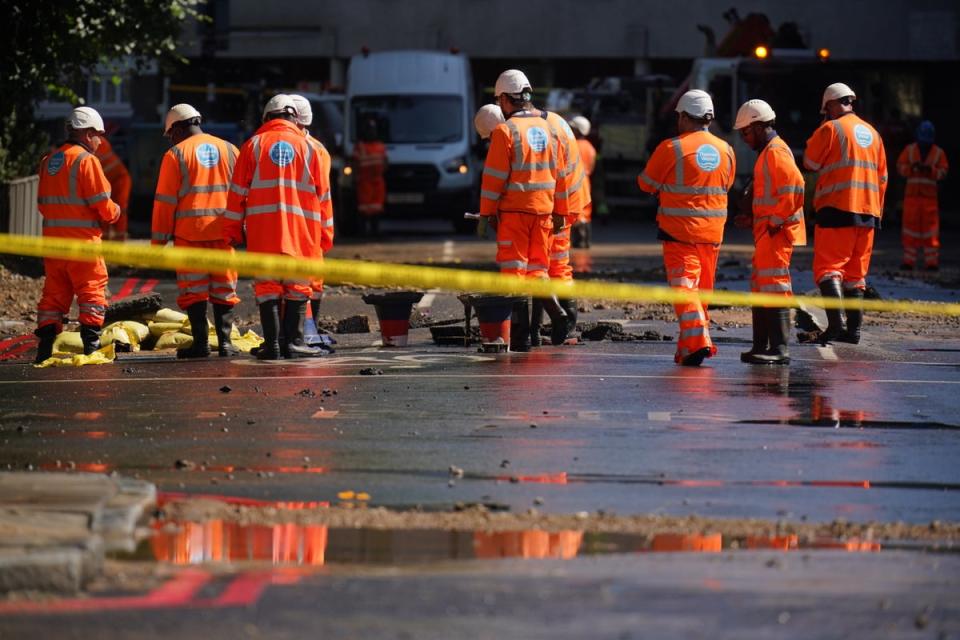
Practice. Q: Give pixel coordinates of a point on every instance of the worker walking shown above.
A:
(74, 200)
(923, 164)
(582, 232)
(691, 174)
(274, 205)
(851, 164)
(777, 221)
(523, 185)
(188, 208)
(120, 186)
(370, 165)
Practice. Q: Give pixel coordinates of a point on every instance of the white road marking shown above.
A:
(658, 416)
(447, 255)
(827, 353)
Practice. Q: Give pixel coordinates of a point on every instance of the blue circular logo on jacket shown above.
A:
(537, 139)
(282, 153)
(55, 163)
(708, 157)
(208, 155)
(863, 135)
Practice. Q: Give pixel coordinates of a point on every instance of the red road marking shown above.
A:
(126, 289)
(13, 347)
(149, 285)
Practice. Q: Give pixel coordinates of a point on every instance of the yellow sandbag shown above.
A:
(68, 342)
(104, 355)
(157, 329)
(125, 332)
(247, 341)
(169, 315)
(173, 340)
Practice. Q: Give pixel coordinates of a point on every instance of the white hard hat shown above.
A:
(834, 92)
(487, 119)
(280, 103)
(696, 103)
(179, 113)
(581, 125)
(754, 111)
(511, 82)
(86, 118)
(304, 110)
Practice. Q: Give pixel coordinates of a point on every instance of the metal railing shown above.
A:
(18, 207)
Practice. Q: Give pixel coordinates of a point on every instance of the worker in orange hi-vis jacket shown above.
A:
(304, 120)
(120, 186)
(370, 166)
(923, 164)
(776, 216)
(188, 208)
(524, 194)
(74, 200)
(274, 204)
(582, 231)
(692, 174)
(851, 164)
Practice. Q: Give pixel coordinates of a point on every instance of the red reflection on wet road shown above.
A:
(543, 478)
(561, 545)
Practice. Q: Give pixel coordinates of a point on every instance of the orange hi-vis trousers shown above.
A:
(66, 278)
(295, 290)
(201, 286)
(559, 267)
(843, 254)
(771, 264)
(523, 244)
(921, 231)
(691, 267)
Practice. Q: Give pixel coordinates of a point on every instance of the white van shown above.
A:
(424, 103)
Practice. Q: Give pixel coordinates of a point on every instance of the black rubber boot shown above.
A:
(315, 311)
(587, 234)
(90, 336)
(760, 334)
(223, 323)
(294, 315)
(570, 307)
(854, 309)
(270, 319)
(558, 319)
(197, 312)
(536, 321)
(520, 326)
(48, 335)
(578, 235)
(696, 358)
(830, 288)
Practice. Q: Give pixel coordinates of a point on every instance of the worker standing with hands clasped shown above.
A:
(74, 200)
(851, 164)
(923, 164)
(777, 220)
(274, 204)
(188, 208)
(523, 185)
(370, 162)
(692, 174)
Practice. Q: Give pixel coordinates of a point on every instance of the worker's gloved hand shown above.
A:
(482, 224)
(558, 222)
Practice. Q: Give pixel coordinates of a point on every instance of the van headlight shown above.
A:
(456, 165)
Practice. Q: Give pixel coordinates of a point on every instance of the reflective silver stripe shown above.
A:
(324, 197)
(846, 164)
(693, 213)
(166, 199)
(43, 314)
(536, 267)
(830, 275)
(73, 224)
(302, 283)
(842, 186)
(534, 166)
(268, 298)
(209, 188)
(776, 287)
(560, 256)
(517, 144)
(161, 237)
(328, 223)
(113, 164)
(796, 217)
(231, 158)
(202, 288)
(572, 190)
(914, 234)
(232, 215)
(809, 163)
(92, 200)
(854, 284)
(697, 191)
(921, 181)
(772, 273)
(650, 181)
(283, 207)
(531, 186)
(686, 283)
(184, 172)
(513, 264)
(842, 136)
(678, 155)
(490, 195)
(504, 243)
(692, 332)
(243, 191)
(60, 200)
(790, 189)
(691, 316)
(197, 213)
(496, 173)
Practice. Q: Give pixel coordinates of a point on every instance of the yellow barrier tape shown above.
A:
(413, 277)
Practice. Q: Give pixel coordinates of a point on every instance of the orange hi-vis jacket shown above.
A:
(578, 193)
(692, 173)
(192, 189)
(778, 192)
(522, 170)
(326, 204)
(588, 155)
(74, 195)
(922, 184)
(851, 163)
(275, 193)
(116, 172)
(370, 160)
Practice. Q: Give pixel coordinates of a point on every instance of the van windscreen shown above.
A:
(414, 119)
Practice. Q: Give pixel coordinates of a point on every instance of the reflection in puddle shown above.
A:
(315, 545)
